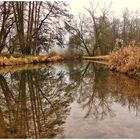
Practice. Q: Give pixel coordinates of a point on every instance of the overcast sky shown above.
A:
(117, 5)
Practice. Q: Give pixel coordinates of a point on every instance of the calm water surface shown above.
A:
(69, 100)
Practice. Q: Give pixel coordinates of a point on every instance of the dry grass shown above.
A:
(97, 58)
(126, 60)
(9, 61)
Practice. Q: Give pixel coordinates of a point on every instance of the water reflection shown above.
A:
(125, 91)
(35, 103)
(99, 89)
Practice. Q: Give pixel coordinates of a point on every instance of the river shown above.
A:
(68, 100)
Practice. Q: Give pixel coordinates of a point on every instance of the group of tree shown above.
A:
(95, 32)
(29, 27)
(33, 27)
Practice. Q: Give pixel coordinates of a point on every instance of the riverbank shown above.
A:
(29, 59)
(97, 58)
(124, 59)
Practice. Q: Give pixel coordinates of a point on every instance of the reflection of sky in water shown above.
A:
(69, 100)
(123, 124)
(62, 68)
(121, 120)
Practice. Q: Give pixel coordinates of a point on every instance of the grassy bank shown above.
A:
(126, 60)
(29, 59)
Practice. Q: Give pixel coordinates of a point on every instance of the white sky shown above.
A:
(117, 5)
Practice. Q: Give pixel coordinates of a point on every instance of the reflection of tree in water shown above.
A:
(90, 89)
(126, 91)
(97, 90)
(33, 104)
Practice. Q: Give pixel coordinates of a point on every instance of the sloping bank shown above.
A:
(126, 60)
(10, 61)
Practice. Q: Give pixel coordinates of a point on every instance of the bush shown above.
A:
(126, 60)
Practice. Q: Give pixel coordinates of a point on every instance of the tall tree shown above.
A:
(32, 17)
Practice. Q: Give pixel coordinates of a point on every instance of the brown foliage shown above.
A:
(125, 59)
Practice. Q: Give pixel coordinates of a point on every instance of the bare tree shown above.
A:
(37, 15)
(93, 30)
(6, 23)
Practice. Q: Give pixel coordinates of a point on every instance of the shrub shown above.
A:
(125, 59)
